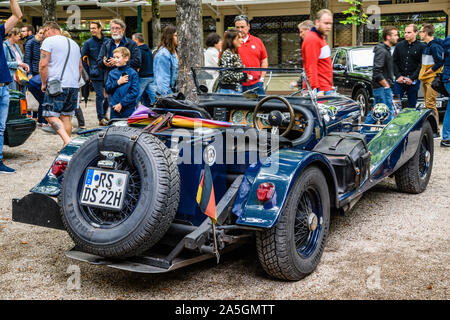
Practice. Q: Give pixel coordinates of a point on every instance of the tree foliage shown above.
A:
(355, 14)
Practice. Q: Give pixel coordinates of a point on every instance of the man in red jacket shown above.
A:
(316, 54)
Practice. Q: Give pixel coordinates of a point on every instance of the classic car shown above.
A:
(271, 168)
(18, 127)
(352, 76)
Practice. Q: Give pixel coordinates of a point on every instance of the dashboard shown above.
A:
(245, 117)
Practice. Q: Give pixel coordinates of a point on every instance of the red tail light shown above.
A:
(23, 106)
(265, 191)
(59, 167)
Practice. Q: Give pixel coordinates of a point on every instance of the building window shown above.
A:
(280, 37)
(342, 33)
(399, 1)
(438, 19)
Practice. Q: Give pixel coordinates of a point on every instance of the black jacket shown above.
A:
(146, 69)
(32, 56)
(106, 51)
(28, 38)
(408, 59)
(382, 66)
(91, 49)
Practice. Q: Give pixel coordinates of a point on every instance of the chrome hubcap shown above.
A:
(312, 222)
(427, 157)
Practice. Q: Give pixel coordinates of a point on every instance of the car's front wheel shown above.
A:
(292, 249)
(414, 175)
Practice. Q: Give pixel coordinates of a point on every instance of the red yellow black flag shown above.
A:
(205, 194)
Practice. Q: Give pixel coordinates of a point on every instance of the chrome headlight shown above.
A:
(380, 112)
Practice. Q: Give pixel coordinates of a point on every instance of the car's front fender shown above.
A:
(281, 168)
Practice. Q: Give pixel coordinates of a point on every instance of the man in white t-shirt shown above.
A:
(54, 51)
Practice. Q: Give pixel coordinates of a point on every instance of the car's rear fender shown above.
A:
(50, 185)
(281, 169)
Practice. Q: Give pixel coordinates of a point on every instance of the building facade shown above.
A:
(274, 21)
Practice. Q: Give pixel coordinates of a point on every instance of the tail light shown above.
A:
(59, 167)
(23, 106)
(265, 191)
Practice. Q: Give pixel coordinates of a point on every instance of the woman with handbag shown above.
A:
(14, 60)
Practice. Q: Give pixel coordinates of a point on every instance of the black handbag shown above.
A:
(54, 87)
(438, 85)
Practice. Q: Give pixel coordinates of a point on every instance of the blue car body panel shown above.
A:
(281, 169)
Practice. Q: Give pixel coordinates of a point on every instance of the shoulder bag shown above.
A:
(54, 87)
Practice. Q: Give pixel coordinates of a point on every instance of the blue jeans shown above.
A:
(147, 85)
(64, 104)
(411, 90)
(99, 97)
(381, 95)
(446, 124)
(258, 85)
(4, 108)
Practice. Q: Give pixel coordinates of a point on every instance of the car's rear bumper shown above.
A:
(37, 209)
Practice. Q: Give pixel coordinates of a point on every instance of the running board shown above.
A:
(145, 263)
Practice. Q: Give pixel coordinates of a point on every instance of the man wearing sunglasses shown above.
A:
(253, 55)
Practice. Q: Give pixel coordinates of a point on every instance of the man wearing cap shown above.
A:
(253, 55)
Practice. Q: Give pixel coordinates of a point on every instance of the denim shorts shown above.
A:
(64, 104)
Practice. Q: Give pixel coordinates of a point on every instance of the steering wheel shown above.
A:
(274, 119)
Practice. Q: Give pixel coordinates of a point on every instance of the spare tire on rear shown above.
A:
(150, 203)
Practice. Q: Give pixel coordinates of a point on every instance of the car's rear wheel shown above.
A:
(292, 249)
(414, 175)
(362, 98)
(150, 203)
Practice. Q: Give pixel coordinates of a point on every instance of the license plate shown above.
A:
(104, 189)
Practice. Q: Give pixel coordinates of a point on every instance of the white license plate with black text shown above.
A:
(104, 189)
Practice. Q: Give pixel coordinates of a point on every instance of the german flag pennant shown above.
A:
(205, 195)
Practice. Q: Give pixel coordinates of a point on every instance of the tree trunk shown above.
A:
(48, 10)
(190, 44)
(317, 5)
(156, 23)
(360, 27)
(359, 35)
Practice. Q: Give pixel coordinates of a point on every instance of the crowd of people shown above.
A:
(124, 72)
(412, 63)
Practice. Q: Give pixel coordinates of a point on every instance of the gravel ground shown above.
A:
(389, 246)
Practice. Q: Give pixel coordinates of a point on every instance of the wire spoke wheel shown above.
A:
(424, 157)
(307, 225)
(292, 248)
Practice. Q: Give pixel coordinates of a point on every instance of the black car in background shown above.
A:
(352, 76)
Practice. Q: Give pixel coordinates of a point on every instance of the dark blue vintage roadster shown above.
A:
(280, 166)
